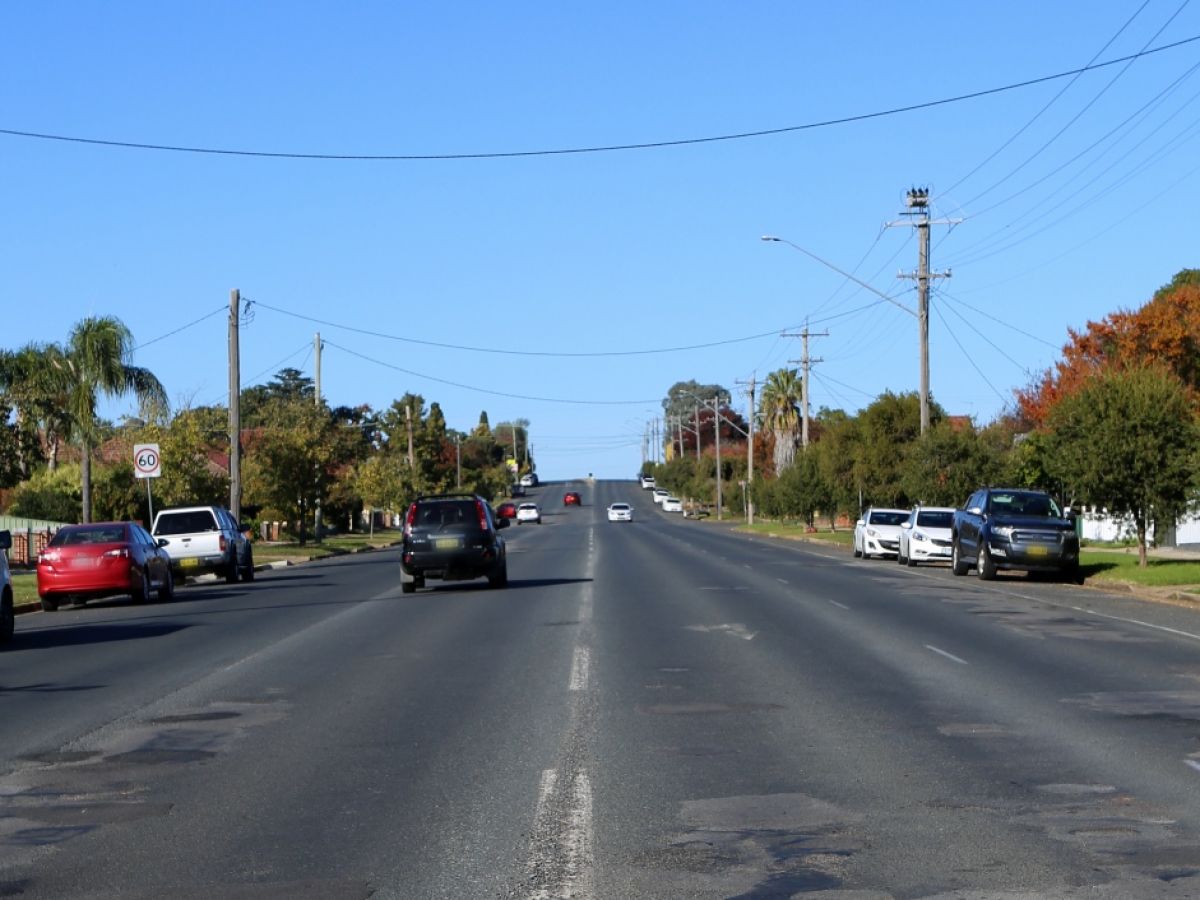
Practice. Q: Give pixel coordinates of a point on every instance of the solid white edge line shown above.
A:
(950, 656)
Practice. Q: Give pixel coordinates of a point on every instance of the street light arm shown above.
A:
(858, 281)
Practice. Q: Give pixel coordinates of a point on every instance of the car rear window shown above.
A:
(66, 537)
(186, 522)
(447, 514)
(880, 517)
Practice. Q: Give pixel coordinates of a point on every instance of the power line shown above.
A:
(506, 352)
(942, 292)
(163, 337)
(970, 361)
(609, 148)
(479, 390)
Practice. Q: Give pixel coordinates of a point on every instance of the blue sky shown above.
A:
(1077, 197)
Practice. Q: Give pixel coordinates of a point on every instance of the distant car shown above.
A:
(672, 504)
(647, 482)
(452, 537)
(572, 498)
(517, 490)
(925, 537)
(877, 533)
(507, 510)
(103, 559)
(529, 512)
(7, 616)
(620, 512)
(660, 495)
(205, 539)
(529, 480)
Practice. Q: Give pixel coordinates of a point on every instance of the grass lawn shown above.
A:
(1101, 565)
(844, 537)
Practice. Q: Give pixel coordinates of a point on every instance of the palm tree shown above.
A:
(93, 362)
(780, 399)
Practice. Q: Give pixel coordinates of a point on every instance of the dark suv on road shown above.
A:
(1013, 528)
(452, 537)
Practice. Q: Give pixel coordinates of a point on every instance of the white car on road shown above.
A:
(925, 537)
(529, 512)
(661, 494)
(672, 504)
(620, 512)
(877, 533)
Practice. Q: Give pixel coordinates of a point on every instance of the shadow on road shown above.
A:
(98, 633)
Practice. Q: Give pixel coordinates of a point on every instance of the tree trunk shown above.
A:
(1141, 532)
(85, 465)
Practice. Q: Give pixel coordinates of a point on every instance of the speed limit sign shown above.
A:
(146, 461)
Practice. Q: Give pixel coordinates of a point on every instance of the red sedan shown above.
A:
(572, 498)
(507, 510)
(86, 562)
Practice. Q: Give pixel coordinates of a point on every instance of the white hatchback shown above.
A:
(925, 537)
(620, 512)
(660, 495)
(529, 512)
(877, 533)
(672, 504)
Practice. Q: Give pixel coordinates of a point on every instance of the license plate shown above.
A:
(445, 543)
(83, 562)
(1039, 551)
(189, 563)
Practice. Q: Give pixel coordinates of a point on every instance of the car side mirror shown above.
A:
(859, 522)
(906, 524)
(5, 540)
(976, 510)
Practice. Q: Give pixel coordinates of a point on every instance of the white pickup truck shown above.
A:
(205, 539)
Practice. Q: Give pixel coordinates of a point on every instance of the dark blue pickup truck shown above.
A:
(1013, 528)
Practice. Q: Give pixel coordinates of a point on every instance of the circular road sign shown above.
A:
(146, 461)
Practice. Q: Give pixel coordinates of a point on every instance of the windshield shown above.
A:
(888, 517)
(931, 519)
(1023, 503)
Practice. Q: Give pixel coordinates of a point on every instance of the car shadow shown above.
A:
(95, 633)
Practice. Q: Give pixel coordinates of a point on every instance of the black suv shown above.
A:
(1013, 528)
(453, 537)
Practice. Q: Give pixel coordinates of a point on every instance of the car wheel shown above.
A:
(500, 579)
(8, 619)
(408, 583)
(909, 561)
(1075, 574)
(166, 592)
(987, 568)
(49, 604)
(857, 552)
(900, 556)
(957, 566)
(248, 568)
(231, 570)
(141, 588)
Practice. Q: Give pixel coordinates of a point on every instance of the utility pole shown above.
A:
(697, 407)
(317, 397)
(806, 363)
(235, 409)
(717, 433)
(458, 461)
(917, 203)
(750, 453)
(409, 426)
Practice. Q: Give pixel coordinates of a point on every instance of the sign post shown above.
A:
(147, 464)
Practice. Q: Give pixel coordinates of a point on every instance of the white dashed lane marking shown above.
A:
(950, 656)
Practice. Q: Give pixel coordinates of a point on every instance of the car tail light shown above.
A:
(222, 543)
(117, 553)
(482, 513)
(409, 519)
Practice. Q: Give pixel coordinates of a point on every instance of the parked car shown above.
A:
(103, 559)
(506, 510)
(659, 495)
(572, 498)
(647, 482)
(529, 512)
(529, 479)
(1013, 528)
(620, 512)
(877, 533)
(925, 537)
(7, 615)
(672, 504)
(517, 490)
(204, 539)
(452, 537)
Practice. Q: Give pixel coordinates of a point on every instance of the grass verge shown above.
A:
(1122, 568)
(798, 531)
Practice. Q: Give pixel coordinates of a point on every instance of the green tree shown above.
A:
(886, 428)
(943, 466)
(95, 362)
(1127, 440)
(837, 451)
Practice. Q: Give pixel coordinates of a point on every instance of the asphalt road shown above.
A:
(655, 709)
